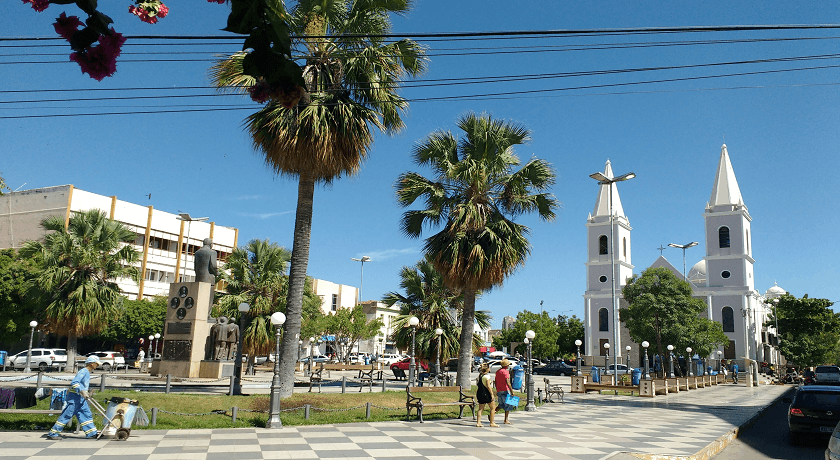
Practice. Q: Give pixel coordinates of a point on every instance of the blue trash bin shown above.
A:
(2, 358)
(517, 378)
(637, 376)
(595, 373)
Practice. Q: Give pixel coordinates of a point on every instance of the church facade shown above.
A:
(724, 279)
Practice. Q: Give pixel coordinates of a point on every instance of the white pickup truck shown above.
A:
(827, 375)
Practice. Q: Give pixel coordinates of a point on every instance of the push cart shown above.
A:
(119, 415)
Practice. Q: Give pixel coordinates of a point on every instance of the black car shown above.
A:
(815, 409)
(555, 368)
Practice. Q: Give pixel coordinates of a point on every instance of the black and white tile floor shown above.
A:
(586, 427)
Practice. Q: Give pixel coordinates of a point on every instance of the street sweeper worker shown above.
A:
(76, 402)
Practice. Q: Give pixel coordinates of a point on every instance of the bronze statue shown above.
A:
(219, 333)
(205, 263)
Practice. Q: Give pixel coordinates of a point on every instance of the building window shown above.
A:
(723, 237)
(725, 274)
(727, 319)
(624, 246)
(603, 278)
(334, 306)
(603, 320)
(603, 245)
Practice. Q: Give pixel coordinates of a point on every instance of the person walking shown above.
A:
(77, 404)
(486, 395)
(503, 388)
(734, 372)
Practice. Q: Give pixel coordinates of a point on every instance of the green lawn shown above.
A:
(325, 408)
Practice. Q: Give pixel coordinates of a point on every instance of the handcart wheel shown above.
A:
(122, 434)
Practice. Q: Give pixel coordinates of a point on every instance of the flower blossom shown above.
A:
(38, 5)
(216, 1)
(142, 14)
(66, 26)
(100, 61)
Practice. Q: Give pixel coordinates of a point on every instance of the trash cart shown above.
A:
(119, 415)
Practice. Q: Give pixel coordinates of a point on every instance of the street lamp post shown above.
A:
(628, 348)
(157, 342)
(776, 347)
(277, 319)
(412, 366)
(300, 349)
(610, 181)
(645, 345)
(671, 360)
(237, 366)
(578, 343)
(529, 338)
(151, 347)
(438, 331)
(362, 274)
(720, 362)
(689, 362)
(32, 325)
(607, 366)
(684, 247)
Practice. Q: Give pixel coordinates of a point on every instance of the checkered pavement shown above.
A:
(586, 427)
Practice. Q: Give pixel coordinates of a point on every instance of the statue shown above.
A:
(205, 263)
(232, 337)
(219, 337)
(210, 343)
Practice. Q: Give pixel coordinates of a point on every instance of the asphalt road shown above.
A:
(767, 438)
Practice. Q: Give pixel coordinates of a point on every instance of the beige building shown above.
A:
(165, 241)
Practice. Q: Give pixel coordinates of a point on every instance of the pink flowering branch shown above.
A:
(38, 5)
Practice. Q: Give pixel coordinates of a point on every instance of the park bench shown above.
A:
(415, 402)
(551, 390)
(367, 373)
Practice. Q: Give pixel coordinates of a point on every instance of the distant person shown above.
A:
(77, 404)
(504, 388)
(734, 372)
(486, 395)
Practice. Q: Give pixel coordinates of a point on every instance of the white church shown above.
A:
(723, 279)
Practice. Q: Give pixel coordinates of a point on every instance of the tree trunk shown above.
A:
(465, 353)
(72, 340)
(297, 279)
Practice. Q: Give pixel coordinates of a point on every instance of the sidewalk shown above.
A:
(586, 427)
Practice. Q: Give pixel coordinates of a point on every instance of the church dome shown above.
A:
(774, 292)
(697, 274)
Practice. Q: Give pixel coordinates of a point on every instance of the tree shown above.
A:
(809, 330)
(349, 326)
(569, 329)
(16, 310)
(3, 186)
(545, 338)
(351, 79)
(136, 319)
(475, 193)
(76, 269)
(436, 306)
(662, 309)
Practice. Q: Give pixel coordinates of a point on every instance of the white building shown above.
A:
(165, 242)
(723, 279)
(382, 343)
(334, 296)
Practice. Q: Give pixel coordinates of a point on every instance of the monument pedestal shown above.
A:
(186, 330)
(215, 369)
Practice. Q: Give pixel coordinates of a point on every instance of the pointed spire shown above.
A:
(725, 191)
(602, 205)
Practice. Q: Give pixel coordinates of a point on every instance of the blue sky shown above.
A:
(780, 128)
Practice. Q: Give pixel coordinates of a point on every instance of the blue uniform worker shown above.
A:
(76, 404)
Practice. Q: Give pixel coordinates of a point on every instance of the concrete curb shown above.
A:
(714, 448)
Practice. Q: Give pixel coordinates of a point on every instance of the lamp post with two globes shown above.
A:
(277, 319)
(412, 366)
(607, 348)
(689, 362)
(578, 343)
(671, 360)
(438, 332)
(645, 345)
(237, 366)
(529, 339)
(628, 348)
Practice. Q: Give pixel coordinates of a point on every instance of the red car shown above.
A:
(403, 365)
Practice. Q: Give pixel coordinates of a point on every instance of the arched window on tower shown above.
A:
(723, 237)
(727, 319)
(748, 242)
(624, 246)
(603, 320)
(603, 245)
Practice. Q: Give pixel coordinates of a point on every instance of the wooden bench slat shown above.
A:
(30, 411)
(417, 403)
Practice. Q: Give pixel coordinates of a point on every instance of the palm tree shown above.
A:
(474, 195)
(77, 268)
(352, 76)
(256, 275)
(435, 305)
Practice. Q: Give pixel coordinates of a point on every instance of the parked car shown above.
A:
(815, 409)
(832, 452)
(315, 359)
(622, 369)
(495, 364)
(389, 358)
(405, 362)
(359, 358)
(110, 360)
(555, 368)
(41, 359)
(827, 375)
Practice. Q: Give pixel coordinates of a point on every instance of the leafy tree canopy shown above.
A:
(349, 326)
(569, 329)
(16, 310)
(809, 330)
(545, 338)
(663, 312)
(136, 319)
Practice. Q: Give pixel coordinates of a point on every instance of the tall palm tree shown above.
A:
(476, 191)
(77, 269)
(435, 305)
(352, 75)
